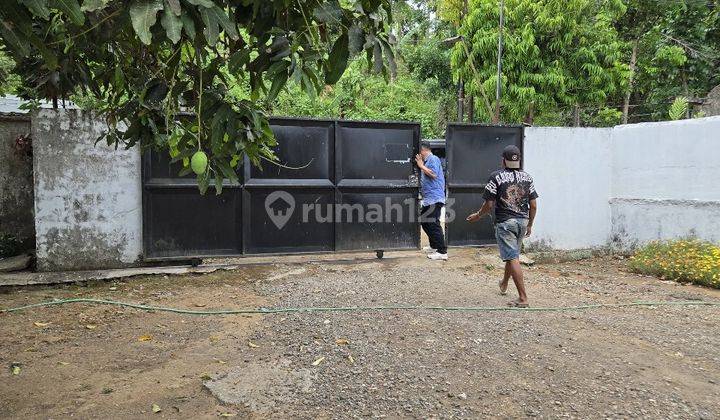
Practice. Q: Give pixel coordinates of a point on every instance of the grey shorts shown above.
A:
(509, 235)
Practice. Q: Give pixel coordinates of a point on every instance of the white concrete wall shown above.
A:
(666, 181)
(88, 198)
(571, 168)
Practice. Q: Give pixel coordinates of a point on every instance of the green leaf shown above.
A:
(186, 170)
(337, 62)
(172, 24)
(211, 31)
(213, 18)
(218, 184)
(203, 182)
(387, 50)
(356, 39)
(227, 171)
(188, 26)
(143, 14)
(174, 5)
(328, 12)
(279, 48)
(94, 5)
(678, 109)
(377, 58)
(37, 7)
(71, 9)
(278, 83)
(203, 3)
(238, 60)
(14, 37)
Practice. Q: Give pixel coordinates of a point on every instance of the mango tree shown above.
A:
(159, 70)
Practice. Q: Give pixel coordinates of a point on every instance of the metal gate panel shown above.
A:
(178, 221)
(374, 167)
(285, 219)
(389, 219)
(473, 153)
(307, 146)
(376, 154)
(282, 205)
(181, 222)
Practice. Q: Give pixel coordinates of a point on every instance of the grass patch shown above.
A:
(690, 260)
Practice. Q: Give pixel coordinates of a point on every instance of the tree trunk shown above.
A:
(633, 63)
(471, 109)
(530, 116)
(686, 92)
(577, 115)
(461, 102)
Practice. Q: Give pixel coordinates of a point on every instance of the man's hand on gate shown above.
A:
(473, 217)
(419, 161)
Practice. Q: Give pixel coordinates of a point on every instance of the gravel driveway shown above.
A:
(622, 362)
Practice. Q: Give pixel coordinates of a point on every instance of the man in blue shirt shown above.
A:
(432, 187)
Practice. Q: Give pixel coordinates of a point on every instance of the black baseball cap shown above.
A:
(512, 156)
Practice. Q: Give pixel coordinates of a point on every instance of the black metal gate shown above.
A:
(473, 153)
(346, 172)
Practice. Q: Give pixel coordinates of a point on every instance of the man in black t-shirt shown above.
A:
(511, 193)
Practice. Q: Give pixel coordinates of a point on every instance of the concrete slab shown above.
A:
(27, 278)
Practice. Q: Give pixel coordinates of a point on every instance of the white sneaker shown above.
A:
(438, 256)
(428, 249)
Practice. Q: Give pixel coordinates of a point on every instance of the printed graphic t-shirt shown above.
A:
(512, 190)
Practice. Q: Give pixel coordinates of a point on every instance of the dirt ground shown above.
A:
(87, 361)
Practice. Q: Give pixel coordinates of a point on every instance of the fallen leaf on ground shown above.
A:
(222, 362)
(205, 377)
(252, 345)
(228, 415)
(63, 363)
(318, 361)
(113, 288)
(342, 342)
(15, 368)
(91, 326)
(350, 358)
(146, 337)
(201, 305)
(41, 324)
(156, 408)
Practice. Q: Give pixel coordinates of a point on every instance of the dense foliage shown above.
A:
(677, 46)
(565, 62)
(362, 96)
(684, 260)
(147, 62)
(557, 54)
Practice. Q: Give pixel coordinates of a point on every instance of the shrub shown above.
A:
(687, 260)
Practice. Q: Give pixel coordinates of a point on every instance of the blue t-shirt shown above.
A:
(433, 190)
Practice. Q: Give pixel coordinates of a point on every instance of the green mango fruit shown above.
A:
(199, 162)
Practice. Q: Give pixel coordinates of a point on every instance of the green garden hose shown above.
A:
(358, 308)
